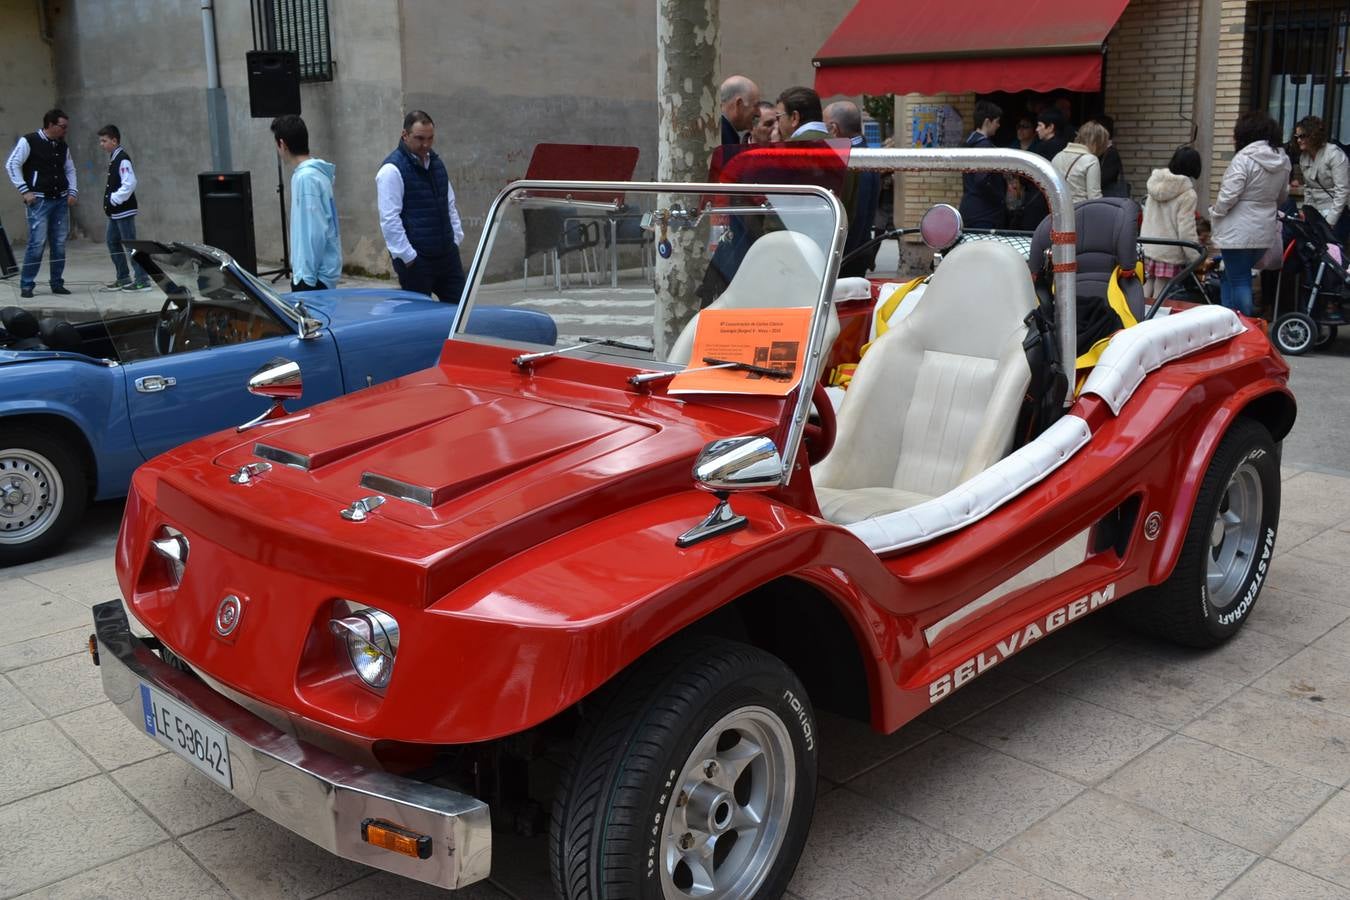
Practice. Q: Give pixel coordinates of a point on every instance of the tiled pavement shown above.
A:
(1096, 764)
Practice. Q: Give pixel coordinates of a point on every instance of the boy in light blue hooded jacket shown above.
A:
(316, 247)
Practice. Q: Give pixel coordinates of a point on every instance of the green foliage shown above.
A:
(882, 108)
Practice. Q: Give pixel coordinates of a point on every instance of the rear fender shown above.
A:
(1268, 402)
(580, 608)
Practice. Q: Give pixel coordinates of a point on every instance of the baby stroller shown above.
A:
(1316, 315)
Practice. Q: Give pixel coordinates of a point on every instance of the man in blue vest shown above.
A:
(417, 214)
(41, 171)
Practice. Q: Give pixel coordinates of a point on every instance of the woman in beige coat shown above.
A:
(1326, 171)
(1079, 165)
(1169, 213)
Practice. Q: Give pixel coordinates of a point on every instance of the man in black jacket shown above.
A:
(984, 198)
(41, 171)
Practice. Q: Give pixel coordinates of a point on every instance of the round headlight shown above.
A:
(371, 638)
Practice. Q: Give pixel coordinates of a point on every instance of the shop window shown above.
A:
(1299, 67)
(298, 25)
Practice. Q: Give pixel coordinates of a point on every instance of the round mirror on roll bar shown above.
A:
(941, 227)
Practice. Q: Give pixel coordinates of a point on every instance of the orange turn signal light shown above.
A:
(388, 836)
(93, 648)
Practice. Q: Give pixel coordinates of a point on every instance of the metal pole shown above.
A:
(217, 113)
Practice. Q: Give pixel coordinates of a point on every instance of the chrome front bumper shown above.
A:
(319, 796)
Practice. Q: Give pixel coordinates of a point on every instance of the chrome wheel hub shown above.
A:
(1234, 537)
(729, 808)
(30, 495)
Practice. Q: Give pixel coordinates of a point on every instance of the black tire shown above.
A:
(1197, 606)
(624, 807)
(1294, 333)
(43, 493)
(1326, 334)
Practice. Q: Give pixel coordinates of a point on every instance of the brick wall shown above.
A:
(916, 191)
(1232, 94)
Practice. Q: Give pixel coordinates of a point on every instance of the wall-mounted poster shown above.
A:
(935, 125)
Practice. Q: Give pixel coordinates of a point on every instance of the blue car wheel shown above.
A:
(42, 494)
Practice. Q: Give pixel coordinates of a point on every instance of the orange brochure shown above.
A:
(771, 340)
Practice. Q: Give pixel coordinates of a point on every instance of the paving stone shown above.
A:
(521, 865)
(1062, 649)
(966, 790)
(1331, 546)
(1315, 498)
(860, 851)
(1243, 659)
(976, 696)
(848, 747)
(106, 735)
(177, 795)
(60, 685)
(86, 583)
(15, 710)
(1321, 845)
(51, 646)
(36, 758)
(1314, 578)
(1337, 640)
(1291, 734)
(1314, 676)
(103, 824)
(1075, 739)
(383, 885)
(1102, 846)
(1238, 799)
(160, 871)
(1269, 879)
(1294, 617)
(992, 877)
(1292, 534)
(32, 611)
(256, 858)
(1163, 691)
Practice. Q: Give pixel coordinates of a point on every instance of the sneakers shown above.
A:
(60, 289)
(138, 287)
(26, 293)
(115, 286)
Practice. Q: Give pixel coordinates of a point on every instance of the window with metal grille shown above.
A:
(1298, 65)
(299, 25)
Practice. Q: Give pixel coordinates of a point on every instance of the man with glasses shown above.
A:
(799, 115)
(41, 170)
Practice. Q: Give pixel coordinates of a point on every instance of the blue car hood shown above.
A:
(348, 305)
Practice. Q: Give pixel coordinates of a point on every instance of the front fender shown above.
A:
(542, 630)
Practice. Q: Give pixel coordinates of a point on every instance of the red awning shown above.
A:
(960, 46)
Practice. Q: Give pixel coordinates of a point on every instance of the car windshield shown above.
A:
(624, 272)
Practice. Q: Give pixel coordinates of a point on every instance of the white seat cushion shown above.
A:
(935, 400)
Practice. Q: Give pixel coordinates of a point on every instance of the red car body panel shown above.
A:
(549, 561)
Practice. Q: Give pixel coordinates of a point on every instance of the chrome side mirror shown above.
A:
(941, 227)
(739, 464)
(732, 464)
(279, 380)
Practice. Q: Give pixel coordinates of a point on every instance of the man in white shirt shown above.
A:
(418, 217)
(799, 115)
(42, 172)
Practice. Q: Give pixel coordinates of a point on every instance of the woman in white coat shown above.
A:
(1254, 185)
(1079, 164)
(1326, 172)
(1169, 213)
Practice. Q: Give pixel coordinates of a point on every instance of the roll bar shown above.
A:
(1063, 237)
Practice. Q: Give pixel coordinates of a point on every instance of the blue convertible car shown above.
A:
(89, 394)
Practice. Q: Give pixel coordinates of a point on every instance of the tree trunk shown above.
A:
(686, 46)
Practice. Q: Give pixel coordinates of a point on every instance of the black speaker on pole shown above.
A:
(273, 83)
(227, 215)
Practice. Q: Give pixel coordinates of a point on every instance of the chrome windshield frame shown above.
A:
(815, 351)
(1018, 162)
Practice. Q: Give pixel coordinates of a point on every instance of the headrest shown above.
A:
(20, 323)
(58, 334)
(1108, 236)
(978, 296)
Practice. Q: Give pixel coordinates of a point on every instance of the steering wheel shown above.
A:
(820, 437)
(172, 323)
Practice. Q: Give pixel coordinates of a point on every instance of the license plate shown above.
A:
(187, 734)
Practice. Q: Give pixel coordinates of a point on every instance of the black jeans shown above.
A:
(297, 286)
(427, 275)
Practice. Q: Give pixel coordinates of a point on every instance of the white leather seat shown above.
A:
(935, 400)
(782, 268)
